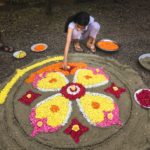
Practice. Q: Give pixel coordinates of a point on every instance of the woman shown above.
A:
(80, 26)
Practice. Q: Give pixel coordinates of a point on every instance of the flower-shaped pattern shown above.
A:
(73, 91)
(52, 81)
(99, 110)
(115, 90)
(75, 130)
(53, 113)
(29, 97)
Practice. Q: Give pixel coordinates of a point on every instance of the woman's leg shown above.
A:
(91, 44)
(76, 36)
(93, 31)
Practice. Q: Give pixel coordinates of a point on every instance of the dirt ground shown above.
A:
(126, 22)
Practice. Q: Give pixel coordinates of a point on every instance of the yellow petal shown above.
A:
(87, 78)
(56, 109)
(93, 105)
(52, 82)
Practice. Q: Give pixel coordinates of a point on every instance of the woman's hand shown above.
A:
(64, 66)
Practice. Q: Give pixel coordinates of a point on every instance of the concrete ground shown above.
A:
(126, 22)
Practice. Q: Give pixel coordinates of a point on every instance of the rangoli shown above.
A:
(65, 88)
(52, 113)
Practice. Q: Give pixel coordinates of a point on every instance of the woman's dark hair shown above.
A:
(81, 18)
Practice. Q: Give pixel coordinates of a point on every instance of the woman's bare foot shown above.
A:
(91, 44)
(77, 46)
(92, 48)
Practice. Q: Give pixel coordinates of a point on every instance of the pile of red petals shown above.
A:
(143, 97)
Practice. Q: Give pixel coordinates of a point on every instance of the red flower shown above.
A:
(76, 129)
(73, 91)
(115, 90)
(29, 97)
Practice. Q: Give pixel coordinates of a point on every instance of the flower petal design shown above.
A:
(89, 78)
(98, 70)
(75, 130)
(115, 90)
(57, 67)
(73, 91)
(29, 97)
(50, 114)
(111, 118)
(99, 110)
(50, 81)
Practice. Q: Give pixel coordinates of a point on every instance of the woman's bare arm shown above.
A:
(67, 46)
